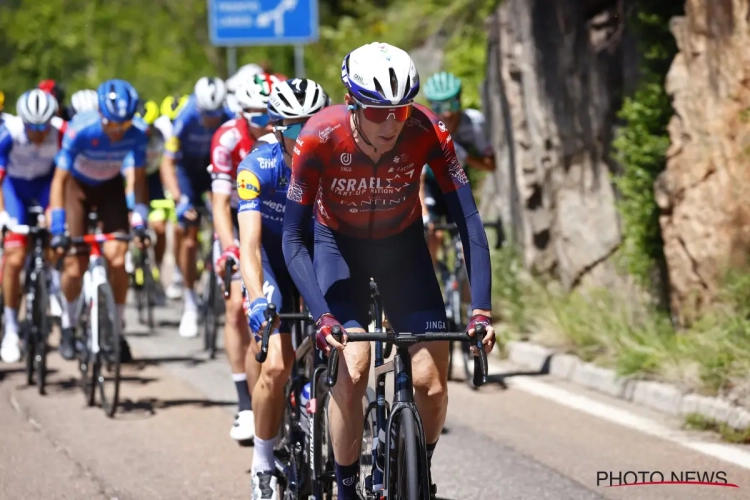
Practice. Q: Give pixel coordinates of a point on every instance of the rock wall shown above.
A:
(557, 71)
(704, 193)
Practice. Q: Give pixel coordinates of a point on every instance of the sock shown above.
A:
(68, 312)
(430, 450)
(346, 480)
(177, 275)
(243, 391)
(11, 322)
(54, 280)
(263, 455)
(191, 304)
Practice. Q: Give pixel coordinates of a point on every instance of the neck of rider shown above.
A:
(364, 144)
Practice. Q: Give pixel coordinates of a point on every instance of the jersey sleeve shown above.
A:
(306, 167)
(6, 145)
(222, 178)
(136, 158)
(71, 145)
(442, 157)
(251, 184)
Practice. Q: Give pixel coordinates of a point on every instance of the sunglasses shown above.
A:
(379, 114)
(37, 127)
(257, 119)
(289, 131)
(111, 126)
(439, 107)
(216, 113)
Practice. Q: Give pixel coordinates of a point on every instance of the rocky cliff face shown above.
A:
(557, 72)
(704, 194)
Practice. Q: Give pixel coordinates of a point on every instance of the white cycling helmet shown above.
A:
(254, 92)
(36, 106)
(243, 74)
(85, 100)
(210, 93)
(296, 98)
(380, 74)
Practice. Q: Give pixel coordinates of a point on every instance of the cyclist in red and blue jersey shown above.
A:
(262, 182)
(185, 175)
(28, 145)
(231, 144)
(360, 164)
(94, 149)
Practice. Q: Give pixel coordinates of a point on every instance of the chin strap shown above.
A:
(359, 130)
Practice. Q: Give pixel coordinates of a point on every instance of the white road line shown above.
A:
(724, 452)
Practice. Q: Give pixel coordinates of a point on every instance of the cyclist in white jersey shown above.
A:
(467, 127)
(28, 145)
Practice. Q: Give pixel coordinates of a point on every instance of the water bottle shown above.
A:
(304, 398)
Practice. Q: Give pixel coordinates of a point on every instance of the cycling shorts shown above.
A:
(109, 199)
(19, 196)
(435, 201)
(400, 265)
(155, 188)
(278, 287)
(194, 180)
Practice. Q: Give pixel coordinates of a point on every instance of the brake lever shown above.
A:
(270, 314)
(333, 359)
(480, 362)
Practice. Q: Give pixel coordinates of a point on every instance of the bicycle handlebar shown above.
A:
(405, 339)
(92, 239)
(228, 272)
(270, 313)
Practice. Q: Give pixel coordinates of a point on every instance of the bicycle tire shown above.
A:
(325, 446)
(210, 318)
(405, 479)
(108, 356)
(40, 331)
(369, 435)
(149, 287)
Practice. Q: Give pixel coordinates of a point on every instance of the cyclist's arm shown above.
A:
(222, 215)
(6, 144)
(303, 188)
(251, 266)
(136, 188)
(222, 185)
(460, 201)
(57, 189)
(168, 168)
(64, 164)
(486, 163)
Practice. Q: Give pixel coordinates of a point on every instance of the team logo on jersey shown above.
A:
(346, 158)
(441, 126)
(248, 185)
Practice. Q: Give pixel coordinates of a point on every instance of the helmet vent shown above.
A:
(394, 81)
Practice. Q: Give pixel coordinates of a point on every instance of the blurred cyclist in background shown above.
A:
(185, 174)
(231, 143)
(54, 88)
(83, 101)
(28, 145)
(95, 147)
(467, 128)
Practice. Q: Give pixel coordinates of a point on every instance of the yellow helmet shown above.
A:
(149, 112)
(2, 100)
(171, 105)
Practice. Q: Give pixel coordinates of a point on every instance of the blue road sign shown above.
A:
(262, 22)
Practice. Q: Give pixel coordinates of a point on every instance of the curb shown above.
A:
(658, 396)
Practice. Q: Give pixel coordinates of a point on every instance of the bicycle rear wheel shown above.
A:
(406, 478)
(368, 451)
(107, 362)
(210, 316)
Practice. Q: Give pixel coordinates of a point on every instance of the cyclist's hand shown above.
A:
(185, 210)
(59, 240)
(60, 243)
(323, 337)
(482, 318)
(256, 316)
(138, 221)
(232, 253)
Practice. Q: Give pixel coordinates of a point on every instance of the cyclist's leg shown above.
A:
(157, 218)
(75, 264)
(15, 252)
(268, 394)
(411, 295)
(437, 208)
(42, 197)
(113, 215)
(342, 267)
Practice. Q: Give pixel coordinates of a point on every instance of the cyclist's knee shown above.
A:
(354, 368)
(278, 364)
(73, 268)
(429, 371)
(14, 257)
(114, 252)
(159, 227)
(235, 312)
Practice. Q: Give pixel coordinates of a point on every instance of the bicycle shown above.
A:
(144, 283)
(400, 460)
(36, 328)
(304, 456)
(100, 343)
(455, 282)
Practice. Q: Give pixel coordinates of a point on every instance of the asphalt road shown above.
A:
(537, 439)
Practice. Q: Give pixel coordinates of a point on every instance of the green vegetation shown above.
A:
(162, 46)
(699, 422)
(642, 143)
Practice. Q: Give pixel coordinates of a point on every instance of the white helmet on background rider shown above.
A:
(380, 74)
(85, 100)
(210, 93)
(254, 92)
(36, 107)
(296, 98)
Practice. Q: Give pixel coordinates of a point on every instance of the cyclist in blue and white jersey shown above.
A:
(28, 145)
(185, 174)
(262, 182)
(88, 175)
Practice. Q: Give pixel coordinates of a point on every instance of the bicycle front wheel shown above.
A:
(40, 331)
(406, 478)
(107, 362)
